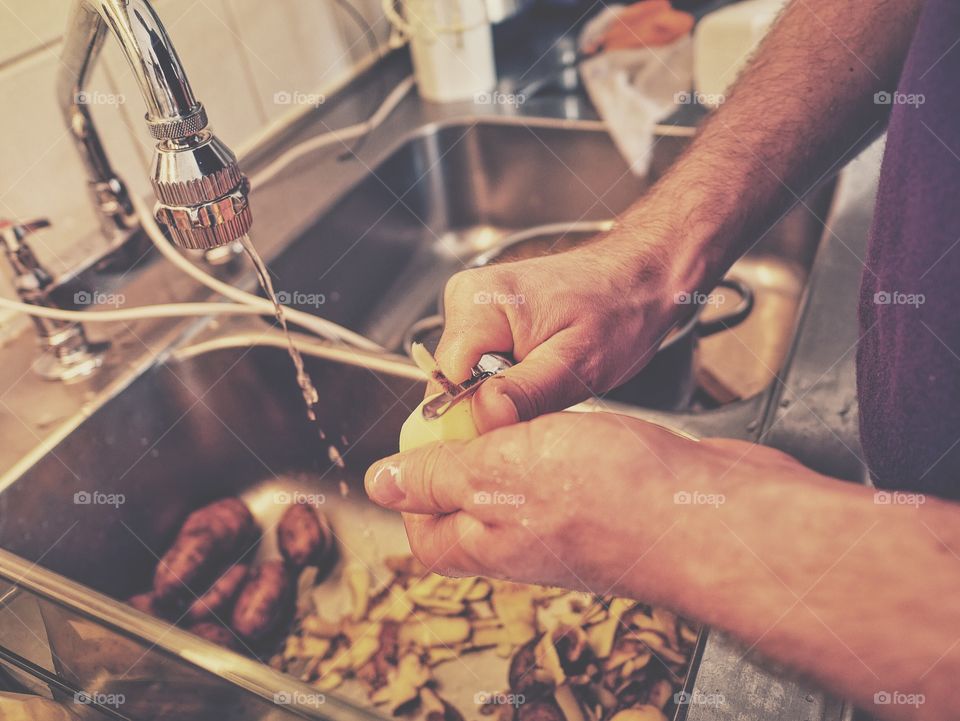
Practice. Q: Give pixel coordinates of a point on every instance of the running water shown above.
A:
(310, 395)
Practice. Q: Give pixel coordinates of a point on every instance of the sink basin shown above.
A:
(183, 433)
(377, 260)
(224, 416)
(216, 420)
(93, 514)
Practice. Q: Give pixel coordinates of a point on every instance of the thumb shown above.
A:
(432, 479)
(466, 338)
(541, 383)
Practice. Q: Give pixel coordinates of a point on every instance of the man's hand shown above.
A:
(579, 322)
(580, 500)
(810, 571)
(591, 318)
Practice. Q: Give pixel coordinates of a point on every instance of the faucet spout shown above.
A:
(202, 194)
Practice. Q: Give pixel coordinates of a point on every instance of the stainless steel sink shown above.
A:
(378, 258)
(224, 415)
(218, 419)
(228, 420)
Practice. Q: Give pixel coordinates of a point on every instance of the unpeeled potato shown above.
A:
(456, 424)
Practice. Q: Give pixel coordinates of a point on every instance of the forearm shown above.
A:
(812, 573)
(803, 105)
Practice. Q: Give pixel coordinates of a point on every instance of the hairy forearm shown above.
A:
(800, 110)
(813, 573)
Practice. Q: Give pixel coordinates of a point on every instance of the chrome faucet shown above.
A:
(203, 196)
(66, 353)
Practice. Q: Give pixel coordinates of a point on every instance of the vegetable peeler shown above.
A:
(489, 365)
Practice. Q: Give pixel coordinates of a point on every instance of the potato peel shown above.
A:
(586, 656)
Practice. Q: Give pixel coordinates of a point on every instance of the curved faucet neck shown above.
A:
(146, 46)
(202, 193)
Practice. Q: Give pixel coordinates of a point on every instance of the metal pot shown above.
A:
(668, 381)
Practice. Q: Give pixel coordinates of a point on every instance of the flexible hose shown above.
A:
(244, 303)
(270, 171)
(315, 324)
(166, 310)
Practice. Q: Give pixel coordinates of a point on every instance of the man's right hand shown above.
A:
(584, 321)
(579, 323)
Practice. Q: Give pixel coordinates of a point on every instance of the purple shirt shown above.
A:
(908, 359)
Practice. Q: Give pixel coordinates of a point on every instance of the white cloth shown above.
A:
(634, 89)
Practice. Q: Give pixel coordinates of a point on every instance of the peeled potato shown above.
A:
(454, 425)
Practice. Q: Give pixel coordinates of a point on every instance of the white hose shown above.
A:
(244, 303)
(166, 310)
(321, 326)
(269, 172)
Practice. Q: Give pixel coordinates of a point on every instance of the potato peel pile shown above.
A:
(572, 656)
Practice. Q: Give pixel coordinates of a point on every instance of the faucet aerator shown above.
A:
(203, 197)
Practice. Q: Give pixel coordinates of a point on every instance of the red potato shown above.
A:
(144, 602)
(219, 596)
(304, 536)
(208, 540)
(216, 633)
(265, 599)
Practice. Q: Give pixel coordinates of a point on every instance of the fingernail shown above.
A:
(493, 406)
(502, 387)
(513, 406)
(385, 488)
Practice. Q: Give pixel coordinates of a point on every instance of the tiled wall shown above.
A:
(245, 58)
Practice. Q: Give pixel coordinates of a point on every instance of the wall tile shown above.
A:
(296, 50)
(42, 174)
(26, 25)
(271, 38)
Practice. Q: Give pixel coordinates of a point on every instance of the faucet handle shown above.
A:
(66, 354)
(30, 277)
(18, 230)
